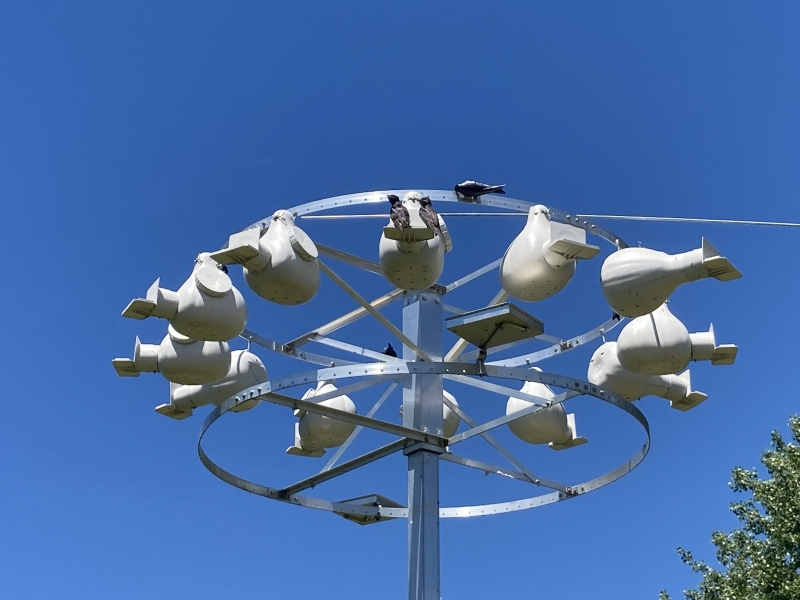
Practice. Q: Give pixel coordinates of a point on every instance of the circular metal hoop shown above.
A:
(505, 202)
(512, 204)
(395, 369)
(512, 369)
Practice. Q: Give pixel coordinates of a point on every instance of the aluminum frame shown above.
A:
(422, 385)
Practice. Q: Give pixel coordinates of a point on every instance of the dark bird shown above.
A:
(398, 213)
(428, 215)
(389, 351)
(469, 190)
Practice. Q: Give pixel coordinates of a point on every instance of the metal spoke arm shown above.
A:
(353, 349)
(487, 468)
(558, 348)
(474, 275)
(356, 463)
(350, 259)
(371, 310)
(351, 438)
(489, 425)
(344, 320)
(317, 359)
(327, 411)
(498, 389)
(508, 456)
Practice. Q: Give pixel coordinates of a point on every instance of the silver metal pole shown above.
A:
(422, 410)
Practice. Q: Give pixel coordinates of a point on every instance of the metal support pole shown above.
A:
(422, 410)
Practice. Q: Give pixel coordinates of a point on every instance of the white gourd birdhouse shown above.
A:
(314, 433)
(551, 426)
(451, 419)
(659, 344)
(413, 259)
(636, 281)
(605, 371)
(246, 370)
(281, 265)
(179, 359)
(541, 260)
(206, 307)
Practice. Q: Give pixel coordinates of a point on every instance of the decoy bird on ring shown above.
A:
(469, 190)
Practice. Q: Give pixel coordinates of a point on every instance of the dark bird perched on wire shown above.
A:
(389, 351)
(429, 215)
(469, 190)
(398, 213)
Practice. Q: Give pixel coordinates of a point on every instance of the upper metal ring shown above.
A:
(495, 200)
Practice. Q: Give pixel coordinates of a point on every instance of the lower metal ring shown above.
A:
(263, 391)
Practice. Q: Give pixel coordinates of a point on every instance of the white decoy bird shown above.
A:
(541, 259)
(659, 344)
(551, 426)
(314, 433)
(281, 265)
(206, 307)
(413, 259)
(605, 371)
(246, 370)
(178, 358)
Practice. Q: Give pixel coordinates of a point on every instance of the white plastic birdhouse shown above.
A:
(246, 370)
(281, 266)
(636, 281)
(206, 307)
(551, 426)
(179, 359)
(450, 418)
(659, 344)
(541, 260)
(413, 259)
(313, 433)
(605, 371)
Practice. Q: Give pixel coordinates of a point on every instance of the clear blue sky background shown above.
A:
(135, 135)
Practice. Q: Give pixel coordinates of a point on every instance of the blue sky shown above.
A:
(134, 136)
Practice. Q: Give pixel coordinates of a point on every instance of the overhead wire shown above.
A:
(582, 216)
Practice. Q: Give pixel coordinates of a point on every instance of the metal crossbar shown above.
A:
(489, 425)
(344, 320)
(362, 460)
(351, 438)
(350, 259)
(508, 456)
(371, 310)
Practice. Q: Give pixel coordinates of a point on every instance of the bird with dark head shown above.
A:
(398, 213)
(469, 190)
(389, 351)
(429, 215)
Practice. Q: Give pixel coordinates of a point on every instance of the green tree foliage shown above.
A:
(761, 559)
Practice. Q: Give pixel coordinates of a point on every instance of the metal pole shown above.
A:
(422, 410)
